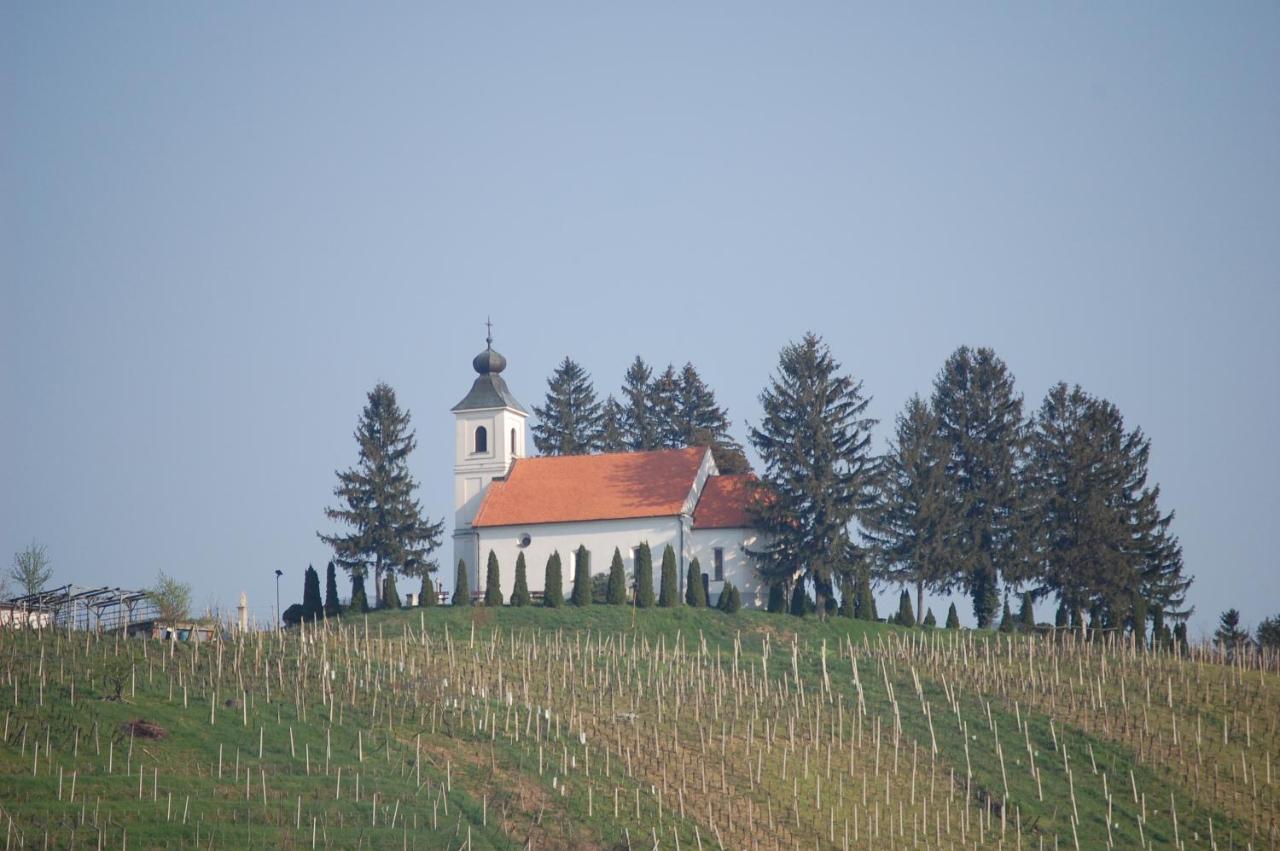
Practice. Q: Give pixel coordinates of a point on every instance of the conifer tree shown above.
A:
(582, 577)
(1006, 618)
(390, 596)
(863, 598)
(612, 436)
(980, 425)
(669, 592)
(777, 598)
(492, 581)
(427, 592)
(331, 605)
(312, 608)
(847, 605)
(552, 587)
(906, 617)
(1180, 638)
(461, 586)
(665, 394)
(359, 600)
(1027, 614)
(388, 532)
(1229, 635)
(1268, 633)
(639, 423)
(800, 603)
(929, 620)
(953, 618)
(815, 442)
(1062, 619)
(571, 419)
(700, 421)
(644, 577)
(616, 594)
(694, 593)
(730, 599)
(520, 593)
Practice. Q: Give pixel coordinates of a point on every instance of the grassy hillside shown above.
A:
(603, 727)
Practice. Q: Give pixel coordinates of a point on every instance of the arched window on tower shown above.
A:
(513, 441)
(482, 439)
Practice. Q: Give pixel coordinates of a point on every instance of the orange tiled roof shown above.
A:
(724, 501)
(613, 486)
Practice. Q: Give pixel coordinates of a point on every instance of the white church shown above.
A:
(509, 503)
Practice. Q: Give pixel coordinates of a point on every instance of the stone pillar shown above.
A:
(242, 612)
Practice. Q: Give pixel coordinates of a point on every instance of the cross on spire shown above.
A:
(488, 337)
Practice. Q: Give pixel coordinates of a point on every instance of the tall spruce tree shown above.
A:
(520, 593)
(644, 577)
(669, 593)
(1229, 634)
(553, 583)
(617, 591)
(700, 421)
(612, 436)
(492, 581)
(639, 423)
(461, 586)
(694, 593)
(980, 425)
(331, 605)
(906, 527)
(312, 607)
(665, 393)
(581, 577)
(571, 419)
(388, 532)
(819, 473)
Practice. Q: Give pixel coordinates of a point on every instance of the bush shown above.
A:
(906, 616)
(520, 593)
(1006, 618)
(427, 592)
(461, 586)
(1063, 617)
(552, 588)
(390, 596)
(1027, 614)
(953, 618)
(582, 578)
(801, 605)
(669, 595)
(644, 577)
(359, 600)
(929, 620)
(695, 593)
(777, 599)
(616, 594)
(331, 605)
(292, 616)
(492, 581)
(730, 599)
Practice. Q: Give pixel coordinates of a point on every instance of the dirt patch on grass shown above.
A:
(142, 729)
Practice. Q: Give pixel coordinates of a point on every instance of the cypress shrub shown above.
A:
(906, 617)
(929, 620)
(617, 592)
(864, 602)
(644, 577)
(1006, 618)
(312, 608)
(552, 589)
(694, 593)
(800, 604)
(331, 605)
(492, 581)
(582, 578)
(461, 586)
(1062, 619)
(1027, 614)
(520, 593)
(777, 599)
(669, 593)
(953, 619)
(730, 600)
(846, 598)
(390, 596)
(427, 592)
(359, 600)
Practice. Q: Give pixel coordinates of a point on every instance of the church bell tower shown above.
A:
(489, 434)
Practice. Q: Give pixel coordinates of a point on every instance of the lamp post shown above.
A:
(279, 573)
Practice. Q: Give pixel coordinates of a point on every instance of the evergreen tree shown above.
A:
(462, 586)
(331, 605)
(1006, 618)
(819, 474)
(1137, 621)
(694, 594)
(644, 577)
(801, 605)
(953, 617)
(864, 600)
(906, 617)
(582, 578)
(388, 529)
(1268, 634)
(1180, 638)
(1062, 618)
(390, 596)
(359, 600)
(520, 593)
(929, 620)
(552, 586)
(777, 598)
(427, 592)
(639, 421)
(570, 421)
(669, 592)
(700, 421)
(664, 392)
(979, 421)
(312, 608)
(492, 581)
(1027, 614)
(730, 600)
(612, 436)
(847, 602)
(617, 591)
(907, 526)
(1229, 635)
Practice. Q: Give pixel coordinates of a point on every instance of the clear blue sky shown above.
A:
(222, 224)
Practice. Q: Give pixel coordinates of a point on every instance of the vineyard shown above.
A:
(608, 728)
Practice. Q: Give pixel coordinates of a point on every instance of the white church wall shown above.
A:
(598, 536)
(739, 567)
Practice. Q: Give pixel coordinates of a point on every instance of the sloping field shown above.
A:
(608, 728)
